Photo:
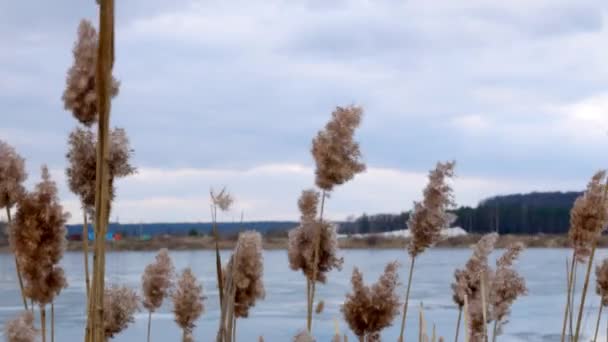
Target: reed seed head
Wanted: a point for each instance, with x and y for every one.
(21, 328)
(119, 306)
(157, 280)
(601, 287)
(247, 268)
(588, 216)
(38, 239)
(187, 300)
(430, 216)
(222, 199)
(82, 159)
(308, 203)
(368, 310)
(80, 96)
(506, 285)
(12, 175)
(303, 336)
(335, 151)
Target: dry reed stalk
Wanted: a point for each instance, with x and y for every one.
(316, 247)
(157, 281)
(458, 324)
(597, 323)
(588, 220)
(427, 220)
(21, 328)
(104, 82)
(569, 280)
(224, 201)
(12, 176)
(466, 318)
(187, 302)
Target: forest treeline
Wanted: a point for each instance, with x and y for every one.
(532, 213)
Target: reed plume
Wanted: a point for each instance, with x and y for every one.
(369, 309)
(505, 287)
(467, 281)
(12, 176)
(303, 336)
(38, 237)
(427, 220)
(80, 95)
(21, 328)
(588, 218)
(120, 304)
(82, 159)
(247, 268)
(157, 281)
(187, 302)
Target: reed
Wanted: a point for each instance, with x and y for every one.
(157, 281)
(222, 200)
(120, 304)
(601, 288)
(21, 328)
(188, 303)
(37, 236)
(370, 309)
(587, 220)
(427, 220)
(12, 176)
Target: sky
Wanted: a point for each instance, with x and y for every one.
(230, 93)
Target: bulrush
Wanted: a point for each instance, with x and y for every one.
(21, 328)
(120, 304)
(156, 283)
(505, 287)
(80, 95)
(588, 218)
(187, 303)
(427, 220)
(12, 176)
(38, 238)
(82, 154)
(368, 310)
(467, 282)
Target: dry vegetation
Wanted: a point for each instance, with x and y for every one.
(483, 293)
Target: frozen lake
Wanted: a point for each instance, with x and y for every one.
(537, 317)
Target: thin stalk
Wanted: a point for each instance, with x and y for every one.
(52, 321)
(43, 322)
(466, 318)
(458, 323)
(483, 307)
(597, 324)
(584, 294)
(572, 293)
(569, 277)
(317, 242)
(85, 250)
(407, 297)
(149, 323)
(17, 268)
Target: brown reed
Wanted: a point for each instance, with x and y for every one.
(467, 285)
(427, 219)
(369, 309)
(120, 304)
(80, 95)
(21, 328)
(222, 200)
(187, 302)
(588, 218)
(38, 237)
(157, 281)
(506, 286)
(12, 176)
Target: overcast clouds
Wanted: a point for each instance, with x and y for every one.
(231, 92)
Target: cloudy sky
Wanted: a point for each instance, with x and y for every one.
(231, 92)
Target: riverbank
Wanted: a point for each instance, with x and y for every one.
(369, 242)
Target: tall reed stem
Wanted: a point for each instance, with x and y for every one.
(569, 277)
(43, 323)
(17, 268)
(407, 298)
(85, 250)
(458, 323)
(52, 321)
(584, 294)
(466, 318)
(572, 293)
(149, 323)
(317, 242)
(597, 324)
(218, 258)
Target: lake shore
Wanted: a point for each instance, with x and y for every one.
(369, 242)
